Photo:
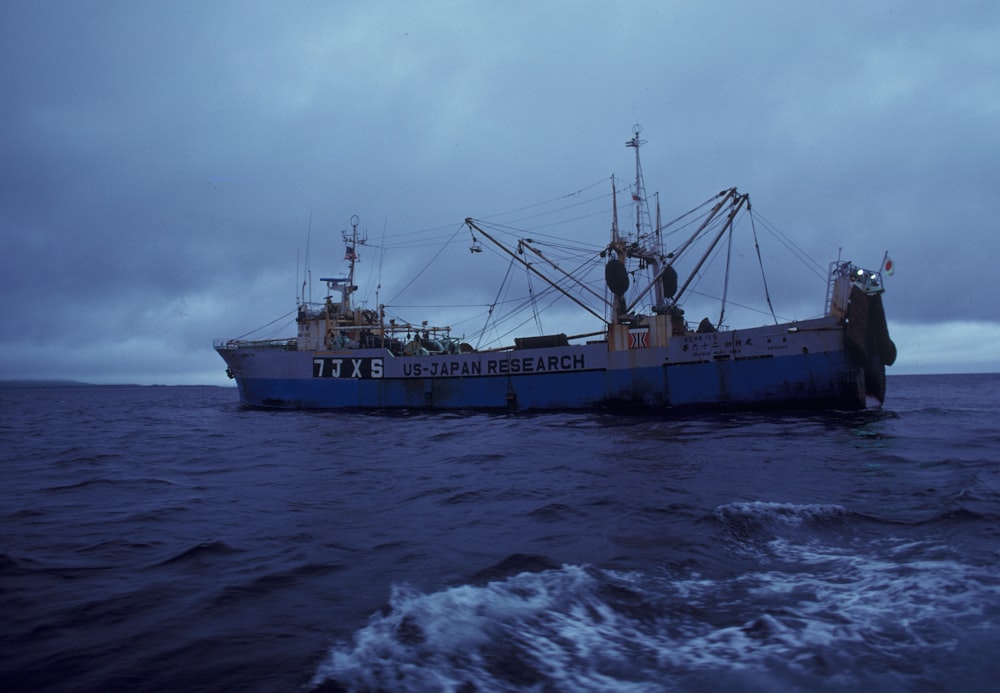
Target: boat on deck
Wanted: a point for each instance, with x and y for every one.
(645, 356)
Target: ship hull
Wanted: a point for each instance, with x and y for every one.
(795, 365)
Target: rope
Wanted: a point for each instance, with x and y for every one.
(803, 256)
(531, 298)
(725, 283)
(546, 202)
(258, 329)
(760, 261)
(427, 266)
(489, 313)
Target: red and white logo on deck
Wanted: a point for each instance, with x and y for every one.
(639, 338)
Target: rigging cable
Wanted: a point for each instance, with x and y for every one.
(760, 261)
(725, 283)
(489, 313)
(802, 255)
(258, 329)
(381, 259)
(531, 298)
(545, 202)
(429, 263)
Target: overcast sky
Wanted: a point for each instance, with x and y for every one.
(163, 165)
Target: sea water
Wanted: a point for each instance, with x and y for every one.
(169, 539)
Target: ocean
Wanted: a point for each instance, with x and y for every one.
(168, 539)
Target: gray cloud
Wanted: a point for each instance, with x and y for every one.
(160, 163)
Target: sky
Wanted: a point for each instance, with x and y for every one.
(167, 168)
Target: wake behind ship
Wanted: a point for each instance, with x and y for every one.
(645, 356)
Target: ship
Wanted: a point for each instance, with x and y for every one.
(644, 355)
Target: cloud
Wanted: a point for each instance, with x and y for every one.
(156, 156)
(946, 347)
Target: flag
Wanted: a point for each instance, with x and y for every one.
(888, 265)
(635, 197)
(349, 254)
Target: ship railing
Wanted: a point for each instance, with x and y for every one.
(390, 329)
(401, 339)
(867, 280)
(289, 343)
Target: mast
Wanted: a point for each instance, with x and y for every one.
(724, 196)
(614, 213)
(350, 254)
(649, 255)
(643, 224)
(659, 226)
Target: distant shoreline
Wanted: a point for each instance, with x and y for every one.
(42, 383)
(54, 384)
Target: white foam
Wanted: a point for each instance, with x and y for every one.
(788, 513)
(583, 629)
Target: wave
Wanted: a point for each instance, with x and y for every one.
(752, 522)
(781, 513)
(199, 552)
(829, 613)
(107, 481)
(270, 584)
(8, 564)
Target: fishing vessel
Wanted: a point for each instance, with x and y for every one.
(644, 355)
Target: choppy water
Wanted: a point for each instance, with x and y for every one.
(166, 539)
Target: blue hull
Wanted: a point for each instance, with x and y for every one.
(829, 362)
(806, 380)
